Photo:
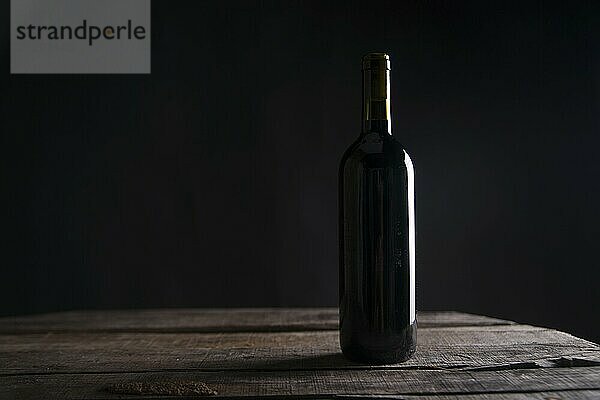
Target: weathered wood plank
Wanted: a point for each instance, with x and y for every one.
(310, 383)
(556, 395)
(492, 347)
(212, 320)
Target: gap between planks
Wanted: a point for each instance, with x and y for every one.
(213, 321)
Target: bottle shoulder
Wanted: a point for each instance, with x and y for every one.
(373, 146)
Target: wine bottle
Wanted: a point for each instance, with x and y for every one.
(377, 232)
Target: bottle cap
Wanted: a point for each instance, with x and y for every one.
(376, 61)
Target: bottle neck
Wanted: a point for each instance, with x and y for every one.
(376, 96)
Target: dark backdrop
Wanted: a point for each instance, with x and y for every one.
(212, 181)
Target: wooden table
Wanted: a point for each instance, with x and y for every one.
(282, 353)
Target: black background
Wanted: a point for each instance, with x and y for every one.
(213, 181)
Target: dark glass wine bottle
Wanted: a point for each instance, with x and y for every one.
(377, 232)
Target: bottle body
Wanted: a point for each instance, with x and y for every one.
(377, 249)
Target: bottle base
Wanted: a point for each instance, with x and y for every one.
(380, 350)
(364, 356)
